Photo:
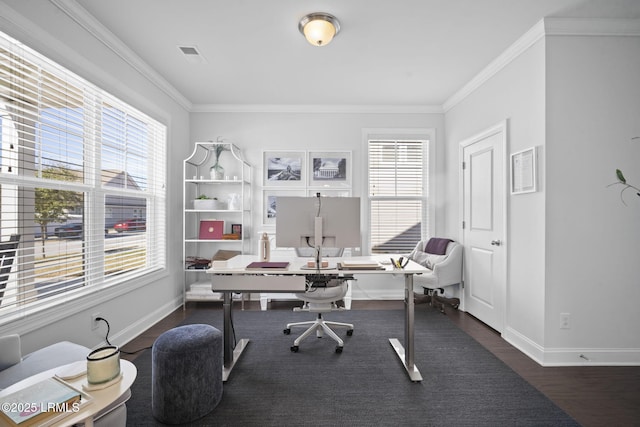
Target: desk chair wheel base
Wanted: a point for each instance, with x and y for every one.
(438, 301)
(320, 327)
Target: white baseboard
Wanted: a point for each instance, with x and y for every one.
(524, 344)
(377, 294)
(135, 329)
(548, 357)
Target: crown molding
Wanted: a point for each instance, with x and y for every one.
(83, 18)
(521, 45)
(317, 109)
(546, 27)
(592, 27)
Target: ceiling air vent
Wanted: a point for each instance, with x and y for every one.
(192, 54)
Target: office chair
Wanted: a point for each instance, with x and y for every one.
(444, 258)
(323, 292)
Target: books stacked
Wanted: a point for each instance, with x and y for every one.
(359, 265)
(39, 403)
(201, 291)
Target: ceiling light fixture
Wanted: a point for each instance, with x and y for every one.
(319, 28)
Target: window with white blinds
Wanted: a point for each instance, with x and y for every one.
(398, 183)
(82, 186)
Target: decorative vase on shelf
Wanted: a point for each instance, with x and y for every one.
(217, 171)
(234, 202)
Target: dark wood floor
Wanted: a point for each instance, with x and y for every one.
(594, 396)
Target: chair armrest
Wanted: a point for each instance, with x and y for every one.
(449, 271)
(10, 352)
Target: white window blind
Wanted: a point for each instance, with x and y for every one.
(397, 182)
(81, 186)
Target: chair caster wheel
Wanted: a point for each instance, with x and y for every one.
(350, 332)
(294, 348)
(338, 349)
(286, 331)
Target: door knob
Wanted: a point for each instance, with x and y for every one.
(496, 242)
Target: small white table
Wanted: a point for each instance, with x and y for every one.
(100, 399)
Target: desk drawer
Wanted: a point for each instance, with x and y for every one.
(256, 283)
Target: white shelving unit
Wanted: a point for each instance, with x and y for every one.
(199, 247)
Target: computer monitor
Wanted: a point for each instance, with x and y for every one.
(331, 222)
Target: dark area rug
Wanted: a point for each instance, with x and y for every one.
(366, 385)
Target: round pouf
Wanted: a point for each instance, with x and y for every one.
(186, 373)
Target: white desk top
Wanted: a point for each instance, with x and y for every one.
(238, 264)
(100, 399)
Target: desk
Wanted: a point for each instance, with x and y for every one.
(234, 277)
(100, 399)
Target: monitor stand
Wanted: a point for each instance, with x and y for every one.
(318, 261)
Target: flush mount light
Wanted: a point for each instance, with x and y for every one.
(319, 28)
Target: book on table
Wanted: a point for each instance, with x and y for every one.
(39, 403)
(268, 265)
(352, 264)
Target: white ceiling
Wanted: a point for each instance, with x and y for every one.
(402, 52)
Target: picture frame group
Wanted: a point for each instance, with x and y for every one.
(323, 169)
(303, 173)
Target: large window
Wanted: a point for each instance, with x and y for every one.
(398, 190)
(81, 186)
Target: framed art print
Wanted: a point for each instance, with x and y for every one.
(269, 205)
(329, 192)
(523, 171)
(284, 168)
(330, 169)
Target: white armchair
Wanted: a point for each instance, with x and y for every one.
(444, 258)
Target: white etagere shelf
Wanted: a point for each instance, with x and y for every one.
(232, 194)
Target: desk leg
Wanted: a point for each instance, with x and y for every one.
(406, 354)
(231, 355)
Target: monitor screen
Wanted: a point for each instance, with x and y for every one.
(296, 221)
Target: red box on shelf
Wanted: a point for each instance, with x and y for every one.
(211, 229)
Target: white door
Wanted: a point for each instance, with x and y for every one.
(484, 232)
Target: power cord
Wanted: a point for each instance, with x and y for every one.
(106, 337)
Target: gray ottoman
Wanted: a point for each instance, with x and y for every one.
(186, 373)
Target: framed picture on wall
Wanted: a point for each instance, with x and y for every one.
(330, 169)
(523, 171)
(284, 168)
(269, 205)
(329, 192)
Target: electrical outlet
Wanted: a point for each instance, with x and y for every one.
(564, 320)
(94, 322)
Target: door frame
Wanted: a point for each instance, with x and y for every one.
(503, 127)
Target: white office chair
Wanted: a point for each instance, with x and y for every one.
(444, 258)
(321, 296)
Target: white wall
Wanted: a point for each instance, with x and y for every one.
(516, 93)
(572, 246)
(49, 31)
(593, 240)
(255, 132)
